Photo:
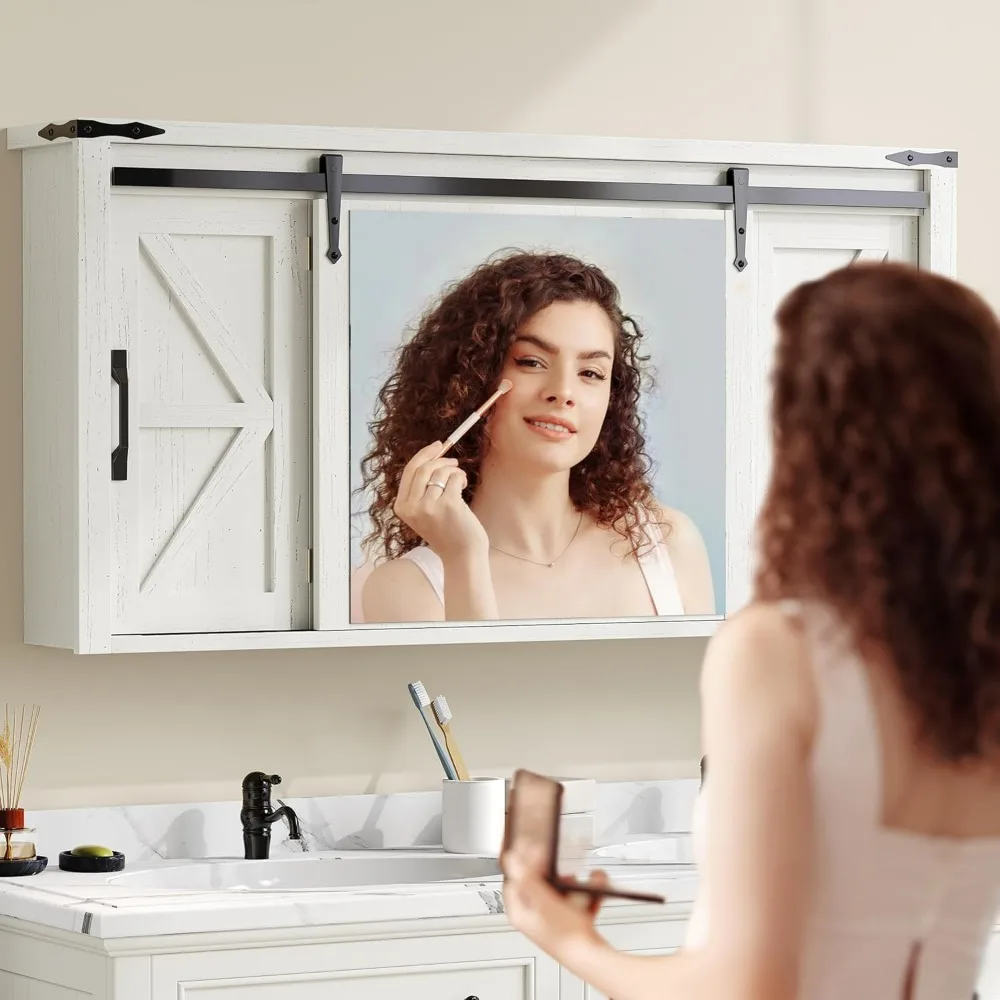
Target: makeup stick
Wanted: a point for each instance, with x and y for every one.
(455, 436)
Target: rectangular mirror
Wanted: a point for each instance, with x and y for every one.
(559, 453)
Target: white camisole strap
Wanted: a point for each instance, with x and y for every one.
(658, 572)
(429, 563)
(654, 562)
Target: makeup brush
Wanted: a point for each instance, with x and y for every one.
(443, 715)
(453, 438)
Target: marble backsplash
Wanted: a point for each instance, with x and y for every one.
(346, 822)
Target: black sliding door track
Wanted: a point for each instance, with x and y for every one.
(330, 180)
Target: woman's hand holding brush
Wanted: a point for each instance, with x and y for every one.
(430, 501)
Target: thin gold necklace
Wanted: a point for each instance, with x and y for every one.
(535, 562)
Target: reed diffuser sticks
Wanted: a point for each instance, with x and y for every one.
(16, 742)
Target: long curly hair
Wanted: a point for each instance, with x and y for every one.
(884, 496)
(453, 361)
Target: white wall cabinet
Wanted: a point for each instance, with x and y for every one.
(203, 325)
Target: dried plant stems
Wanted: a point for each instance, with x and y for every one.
(16, 743)
(29, 744)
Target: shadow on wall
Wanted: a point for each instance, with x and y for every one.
(438, 64)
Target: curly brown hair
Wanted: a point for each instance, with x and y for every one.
(884, 497)
(453, 361)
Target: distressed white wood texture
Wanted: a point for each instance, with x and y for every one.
(187, 584)
(938, 224)
(66, 391)
(423, 635)
(573, 147)
(744, 403)
(332, 424)
(211, 529)
(784, 249)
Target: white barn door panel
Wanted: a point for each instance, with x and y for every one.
(786, 248)
(211, 527)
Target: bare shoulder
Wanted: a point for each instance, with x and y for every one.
(680, 534)
(760, 656)
(689, 558)
(398, 591)
(676, 524)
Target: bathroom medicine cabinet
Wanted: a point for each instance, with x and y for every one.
(187, 333)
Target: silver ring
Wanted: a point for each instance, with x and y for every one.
(434, 482)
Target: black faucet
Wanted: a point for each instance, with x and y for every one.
(257, 815)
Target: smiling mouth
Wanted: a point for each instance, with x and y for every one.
(551, 427)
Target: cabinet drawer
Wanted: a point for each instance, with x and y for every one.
(489, 966)
(513, 980)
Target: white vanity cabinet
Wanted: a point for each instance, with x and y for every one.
(189, 295)
(490, 966)
(472, 959)
(449, 960)
(988, 987)
(655, 937)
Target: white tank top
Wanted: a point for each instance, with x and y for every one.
(889, 907)
(657, 571)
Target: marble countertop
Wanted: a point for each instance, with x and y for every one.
(95, 905)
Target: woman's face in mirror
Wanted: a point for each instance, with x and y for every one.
(560, 367)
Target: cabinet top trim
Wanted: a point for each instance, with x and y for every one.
(573, 147)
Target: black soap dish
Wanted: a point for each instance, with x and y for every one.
(17, 867)
(70, 862)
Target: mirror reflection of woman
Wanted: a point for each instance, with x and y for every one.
(544, 509)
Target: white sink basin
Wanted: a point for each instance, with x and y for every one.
(290, 874)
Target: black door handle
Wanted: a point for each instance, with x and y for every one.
(119, 457)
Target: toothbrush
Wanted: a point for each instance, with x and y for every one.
(422, 700)
(443, 715)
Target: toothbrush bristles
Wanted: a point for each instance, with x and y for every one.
(421, 692)
(441, 709)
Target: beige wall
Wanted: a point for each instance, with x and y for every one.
(173, 727)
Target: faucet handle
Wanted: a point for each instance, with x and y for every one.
(257, 787)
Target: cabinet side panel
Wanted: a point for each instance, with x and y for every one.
(51, 395)
(99, 320)
(938, 225)
(14, 987)
(35, 968)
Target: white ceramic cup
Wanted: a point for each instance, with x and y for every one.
(472, 816)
